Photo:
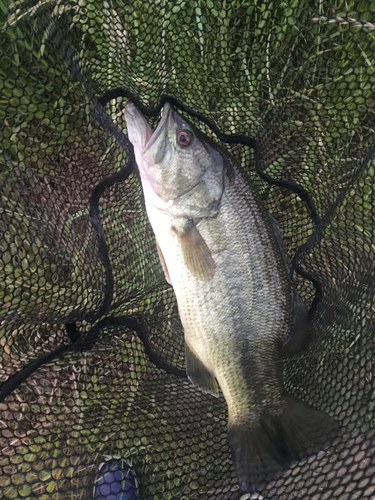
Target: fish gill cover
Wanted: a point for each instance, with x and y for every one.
(92, 348)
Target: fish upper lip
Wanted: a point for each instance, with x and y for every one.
(167, 109)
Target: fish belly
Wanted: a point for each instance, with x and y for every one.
(235, 319)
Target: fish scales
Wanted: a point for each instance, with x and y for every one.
(221, 253)
(224, 317)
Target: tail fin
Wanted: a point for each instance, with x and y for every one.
(262, 451)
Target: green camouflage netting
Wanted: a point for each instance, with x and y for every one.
(91, 345)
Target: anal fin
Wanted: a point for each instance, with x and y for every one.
(198, 373)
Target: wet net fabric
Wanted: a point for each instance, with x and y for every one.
(91, 345)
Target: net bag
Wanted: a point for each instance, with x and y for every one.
(92, 354)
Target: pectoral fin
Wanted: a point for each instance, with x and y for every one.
(163, 263)
(197, 255)
(198, 373)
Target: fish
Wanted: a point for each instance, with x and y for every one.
(223, 255)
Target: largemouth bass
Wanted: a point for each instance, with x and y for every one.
(220, 251)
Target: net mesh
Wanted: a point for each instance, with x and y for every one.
(91, 345)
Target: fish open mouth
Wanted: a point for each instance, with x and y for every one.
(167, 109)
(142, 132)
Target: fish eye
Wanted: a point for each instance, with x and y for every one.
(184, 138)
